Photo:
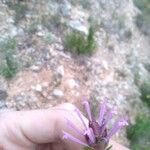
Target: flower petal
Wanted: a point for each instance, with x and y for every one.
(106, 121)
(72, 138)
(87, 107)
(90, 134)
(77, 130)
(81, 117)
(118, 125)
(102, 112)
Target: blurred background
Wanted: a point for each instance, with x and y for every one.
(56, 51)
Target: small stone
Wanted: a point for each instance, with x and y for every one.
(65, 9)
(53, 52)
(13, 32)
(30, 50)
(47, 57)
(72, 83)
(2, 105)
(3, 94)
(38, 88)
(59, 47)
(45, 84)
(105, 64)
(53, 7)
(111, 47)
(18, 98)
(60, 70)
(10, 20)
(20, 31)
(57, 93)
(45, 94)
(77, 25)
(39, 27)
(35, 68)
(40, 34)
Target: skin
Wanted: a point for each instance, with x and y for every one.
(41, 129)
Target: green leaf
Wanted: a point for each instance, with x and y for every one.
(88, 148)
(109, 148)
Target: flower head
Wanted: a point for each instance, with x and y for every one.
(96, 132)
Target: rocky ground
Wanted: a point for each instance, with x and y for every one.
(49, 74)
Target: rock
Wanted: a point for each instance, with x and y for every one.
(20, 31)
(111, 47)
(18, 98)
(10, 20)
(13, 31)
(72, 83)
(53, 6)
(47, 56)
(60, 70)
(39, 27)
(3, 94)
(30, 50)
(103, 2)
(105, 64)
(45, 84)
(53, 52)
(40, 34)
(3, 84)
(38, 88)
(77, 25)
(2, 104)
(59, 46)
(35, 68)
(65, 8)
(58, 93)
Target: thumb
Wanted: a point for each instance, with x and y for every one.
(40, 126)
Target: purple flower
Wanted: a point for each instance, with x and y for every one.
(96, 133)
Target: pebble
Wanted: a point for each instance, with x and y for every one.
(65, 9)
(2, 104)
(59, 47)
(60, 70)
(10, 20)
(35, 68)
(72, 83)
(3, 94)
(77, 25)
(40, 34)
(58, 93)
(38, 88)
(30, 50)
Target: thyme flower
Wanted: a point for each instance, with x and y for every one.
(96, 132)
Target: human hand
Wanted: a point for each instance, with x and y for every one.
(40, 129)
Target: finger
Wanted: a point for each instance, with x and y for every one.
(74, 118)
(52, 146)
(42, 126)
(49, 123)
(27, 128)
